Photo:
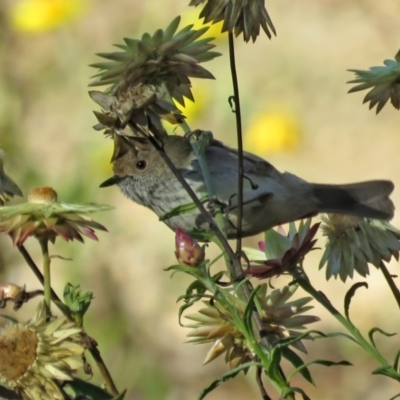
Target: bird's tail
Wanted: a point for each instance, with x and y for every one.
(365, 199)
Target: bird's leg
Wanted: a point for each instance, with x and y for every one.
(214, 204)
(254, 186)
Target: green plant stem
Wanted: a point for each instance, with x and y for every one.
(93, 349)
(390, 282)
(44, 245)
(28, 259)
(232, 260)
(279, 380)
(301, 278)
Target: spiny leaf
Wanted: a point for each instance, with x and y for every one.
(349, 295)
(376, 329)
(228, 375)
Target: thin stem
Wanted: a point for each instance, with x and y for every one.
(389, 280)
(301, 278)
(92, 347)
(238, 115)
(44, 245)
(40, 277)
(105, 373)
(260, 384)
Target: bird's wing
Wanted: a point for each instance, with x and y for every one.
(260, 177)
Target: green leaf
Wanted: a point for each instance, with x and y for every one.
(349, 295)
(379, 330)
(121, 396)
(171, 28)
(87, 389)
(250, 307)
(292, 390)
(326, 363)
(76, 302)
(336, 334)
(386, 370)
(181, 209)
(228, 375)
(298, 363)
(276, 244)
(196, 272)
(194, 293)
(273, 370)
(395, 397)
(396, 361)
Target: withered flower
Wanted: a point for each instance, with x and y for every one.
(280, 318)
(44, 216)
(280, 251)
(8, 188)
(16, 294)
(135, 110)
(164, 58)
(353, 243)
(384, 83)
(238, 16)
(37, 354)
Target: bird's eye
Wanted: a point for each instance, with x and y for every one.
(141, 165)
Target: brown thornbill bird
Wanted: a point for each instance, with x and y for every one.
(270, 197)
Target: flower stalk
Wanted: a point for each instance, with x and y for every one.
(44, 245)
(302, 280)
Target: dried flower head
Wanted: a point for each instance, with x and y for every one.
(164, 58)
(7, 186)
(135, 110)
(353, 243)
(44, 216)
(384, 83)
(35, 355)
(281, 319)
(238, 16)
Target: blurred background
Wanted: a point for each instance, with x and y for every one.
(296, 113)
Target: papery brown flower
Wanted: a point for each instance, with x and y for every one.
(35, 356)
(353, 243)
(280, 319)
(43, 216)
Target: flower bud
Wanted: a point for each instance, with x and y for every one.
(187, 250)
(43, 195)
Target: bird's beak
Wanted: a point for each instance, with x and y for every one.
(112, 181)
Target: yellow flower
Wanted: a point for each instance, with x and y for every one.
(275, 131)
(43, 15)
(35, 355)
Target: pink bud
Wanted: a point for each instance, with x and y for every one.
(187, 250)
